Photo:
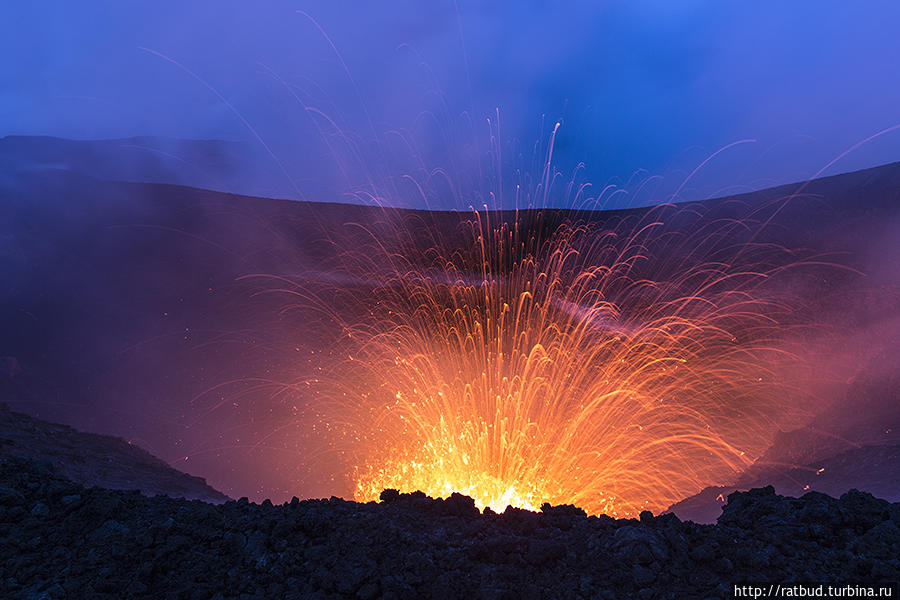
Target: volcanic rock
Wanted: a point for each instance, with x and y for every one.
(59, 539)
(92, 459)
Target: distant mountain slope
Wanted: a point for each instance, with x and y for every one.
(97, 460)
(226, 166)
(853, 444)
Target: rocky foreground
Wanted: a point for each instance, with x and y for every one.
(59, 540)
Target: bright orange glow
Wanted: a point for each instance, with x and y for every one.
(615, 366)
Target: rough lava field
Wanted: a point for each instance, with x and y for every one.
(60, 539)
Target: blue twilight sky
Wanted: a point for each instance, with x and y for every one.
(647, 86)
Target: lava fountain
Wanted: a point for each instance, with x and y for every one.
(616, 364)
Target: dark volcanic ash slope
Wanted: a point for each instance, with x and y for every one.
(853, 444)
(60, 540)
(101, 460)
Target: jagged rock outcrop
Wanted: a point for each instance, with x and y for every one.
(60, 540)
(93, 459)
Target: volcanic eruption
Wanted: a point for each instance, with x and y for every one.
(618, 363)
